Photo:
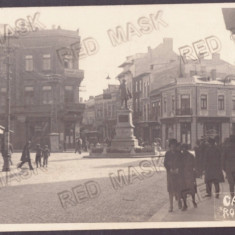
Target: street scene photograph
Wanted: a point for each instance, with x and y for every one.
(117, 116)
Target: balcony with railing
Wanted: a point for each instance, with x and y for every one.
(184, 112)
(74, 73)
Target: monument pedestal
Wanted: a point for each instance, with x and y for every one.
(124, 138)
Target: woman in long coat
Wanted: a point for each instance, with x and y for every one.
(172, 164)
(188, 176)
(213, 168)
(229, 163)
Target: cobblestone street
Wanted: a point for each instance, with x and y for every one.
(34, 199)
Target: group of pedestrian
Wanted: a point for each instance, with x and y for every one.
(211, 159)
(181, 181)
(40, 153)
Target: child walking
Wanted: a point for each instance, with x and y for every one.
(46, 154)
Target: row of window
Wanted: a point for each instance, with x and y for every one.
(106, 111)
(46, 62)
(143, 87)
(185, 103)
(47, 95)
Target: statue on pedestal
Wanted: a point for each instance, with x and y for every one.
(125, 93)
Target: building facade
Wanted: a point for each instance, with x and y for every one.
(106, 106)
(190, 109)
(44, 89)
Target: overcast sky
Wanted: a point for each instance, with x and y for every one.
(187, 23)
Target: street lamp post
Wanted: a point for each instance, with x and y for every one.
(6, 146)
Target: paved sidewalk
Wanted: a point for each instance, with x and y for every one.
(34, 198)
(204, 211)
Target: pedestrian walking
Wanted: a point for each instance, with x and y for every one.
(46, 154)
(78, 145)
(172, 165)
(213, 168)
(187, 174)
(229, 163)
(25, 157)
(38, 157)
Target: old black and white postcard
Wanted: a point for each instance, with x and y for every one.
(117, 117)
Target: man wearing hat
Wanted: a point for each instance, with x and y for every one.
(46, 154)
(213, 168)
(26, 156)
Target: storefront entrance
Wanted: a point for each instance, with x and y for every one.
(69, 134)
(212, 129)
(185, 133)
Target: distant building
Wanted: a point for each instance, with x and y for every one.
(44, 89)
(142, 72)
(105, 108)
(89, 116)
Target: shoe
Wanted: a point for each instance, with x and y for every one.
(194, 204)
(208, 195)
(184, 208)
(171, 209)
(217, 196)
(31, 169)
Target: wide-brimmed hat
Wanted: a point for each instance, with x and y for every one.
(172, 142)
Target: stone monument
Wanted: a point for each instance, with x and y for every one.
(124, 138)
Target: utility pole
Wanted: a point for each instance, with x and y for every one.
(6, 147)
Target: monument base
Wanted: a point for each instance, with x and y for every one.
(124, 138)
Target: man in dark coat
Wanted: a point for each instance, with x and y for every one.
(187, 173)
(26, 156)
(125, 93)
(46, 154)
(229, 163)
(213, 168)
(172, 165)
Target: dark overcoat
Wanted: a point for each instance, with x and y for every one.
(213, 164)
(25, 154)
(229, 163)
(172, 162)
(187, 172)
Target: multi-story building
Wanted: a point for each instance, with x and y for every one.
(44, 89)
(191, 108)
(175, 99)
(141, 71)
(88, 121)
(106, 106)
